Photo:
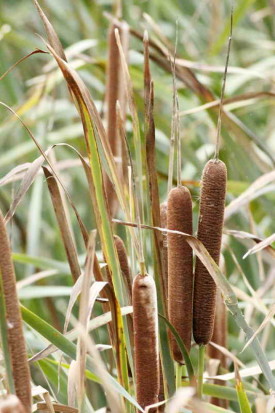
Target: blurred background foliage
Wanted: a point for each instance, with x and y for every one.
(82, 26)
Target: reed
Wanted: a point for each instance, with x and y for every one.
(210, 227)
(146, 354)
(180, 268)
(115, 91)
(16, 342)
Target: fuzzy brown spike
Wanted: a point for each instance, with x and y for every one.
(180, 268)
(123, 260)
(16, 342)
(210, 227)
(163, 222)
(146, 354)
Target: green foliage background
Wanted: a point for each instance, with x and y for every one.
(202, 38)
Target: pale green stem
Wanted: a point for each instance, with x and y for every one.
(178, 375)
(200, 371)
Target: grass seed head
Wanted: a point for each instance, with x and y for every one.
(123, 260)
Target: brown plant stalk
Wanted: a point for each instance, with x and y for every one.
(16, 341)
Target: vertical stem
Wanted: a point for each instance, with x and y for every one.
(178, 375)
(200, 370)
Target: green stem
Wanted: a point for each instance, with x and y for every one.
(200, 371)
(178, 375)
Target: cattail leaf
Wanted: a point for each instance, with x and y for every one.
(223, 392)
(242, 396)
(182, 347)
(87, 300)
(266, 320)
(262, 245)
(257, 188)
(72, 335)
(91, 122)
(41, 262)
(246, 372)
(67, 347)
(51, 34)
(26, 183)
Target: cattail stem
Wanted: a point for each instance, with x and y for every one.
(200, 371)
(146, 352)
(178, 375)
(16, 342)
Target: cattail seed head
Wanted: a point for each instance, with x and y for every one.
(210, 227)
(146, 354)
(123, 261)
(180, 268)
(163, 223)
(16, 342)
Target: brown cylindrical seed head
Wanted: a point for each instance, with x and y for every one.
(16, 342)
(146, 354)
(180, 268)
(163, 223)
(210, 227)
(123, 261)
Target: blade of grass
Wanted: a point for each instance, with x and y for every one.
(66, 346)
(242, 396)
(182, 347)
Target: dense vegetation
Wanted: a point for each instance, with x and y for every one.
(77, 169)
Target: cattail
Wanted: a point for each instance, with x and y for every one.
(124, 266)
(16, 342)
(163, 223)
(115, 91)
(146, 354)
(210, 234)
(180, 268)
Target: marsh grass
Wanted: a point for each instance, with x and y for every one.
(106, 360)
